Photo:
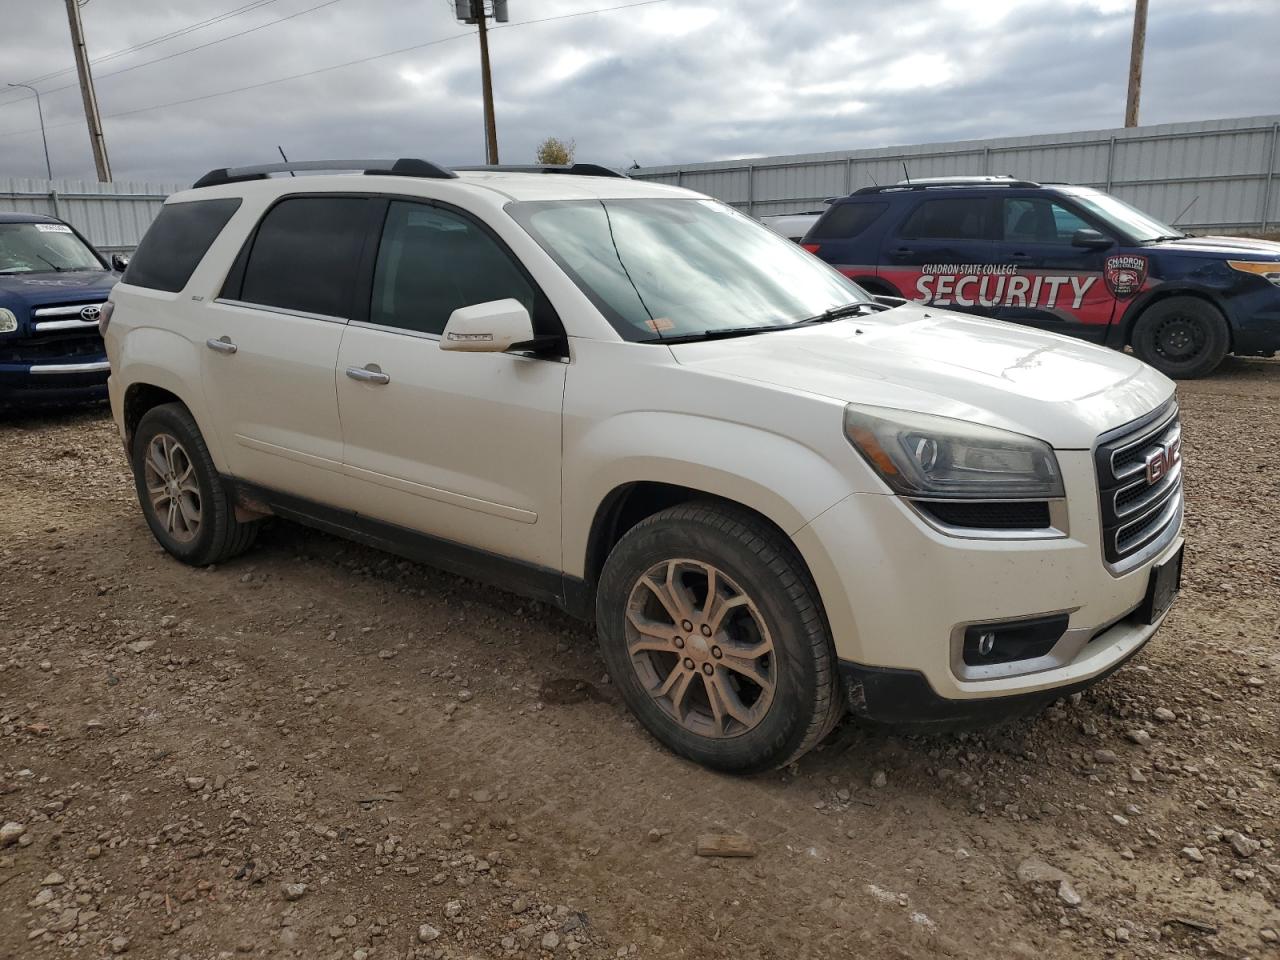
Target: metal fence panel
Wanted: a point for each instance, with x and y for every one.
(1225, 174)
(113, 216)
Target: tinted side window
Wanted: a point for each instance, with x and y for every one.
(306, 255)
(846, 220)
(1036, 220)
(955, 218)
(432, 261)
(177, 241)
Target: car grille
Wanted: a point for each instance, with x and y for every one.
(53, 347)
(1141, 509)
(66, 317)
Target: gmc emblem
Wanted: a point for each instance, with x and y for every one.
(1163, 460)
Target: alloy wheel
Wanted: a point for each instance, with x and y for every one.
(700, 648)
(173, 488)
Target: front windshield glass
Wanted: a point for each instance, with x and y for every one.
(1124, 218)
(43, 248)
(660, 268)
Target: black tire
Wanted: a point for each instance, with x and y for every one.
(760, 561)
(218, 536)
(1182, 337)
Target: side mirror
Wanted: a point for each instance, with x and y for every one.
(1090, 240)
(493, 327)
(118, 262)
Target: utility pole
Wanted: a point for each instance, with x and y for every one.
(473, 11)
(96, 139)
(1135, 63)
(39, 112)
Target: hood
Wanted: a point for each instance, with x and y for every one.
(1061, 390)
(24, 292)
(1235, 248)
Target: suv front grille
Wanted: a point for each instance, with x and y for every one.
(1141, 505)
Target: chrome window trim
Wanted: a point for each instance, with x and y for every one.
(264, 308)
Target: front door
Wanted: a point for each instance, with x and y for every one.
(460, 446)
(1051, 284)
(269, 346)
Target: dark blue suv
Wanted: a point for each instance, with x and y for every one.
(1069, 259)
(52, 288)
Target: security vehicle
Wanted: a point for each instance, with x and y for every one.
(1069, 259)
(53, 284)
(776, 497)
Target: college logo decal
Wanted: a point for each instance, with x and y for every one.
(1125, 274)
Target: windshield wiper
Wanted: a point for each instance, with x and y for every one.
(725, 333)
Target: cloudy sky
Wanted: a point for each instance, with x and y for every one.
(660, 82)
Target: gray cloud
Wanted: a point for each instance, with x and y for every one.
(676, 81)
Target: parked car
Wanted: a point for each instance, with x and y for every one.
(1069, 259)
(53, 284)
(776, 497)
(793, 226)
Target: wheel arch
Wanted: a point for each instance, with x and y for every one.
(1122, 334)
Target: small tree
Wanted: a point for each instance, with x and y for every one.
(553, 150)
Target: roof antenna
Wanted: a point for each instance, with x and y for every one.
(1185, 210)
(905, 174)
(874, 180)
(284, 158)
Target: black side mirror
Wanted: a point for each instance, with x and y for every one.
(118, 262)
(1090, 240)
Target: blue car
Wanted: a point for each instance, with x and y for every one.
(53, 284)
(1070, 259)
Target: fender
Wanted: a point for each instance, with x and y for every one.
(779, 478)
(172, 363)
(1118, 333)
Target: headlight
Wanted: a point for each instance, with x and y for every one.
(1263, 269)
(919, 455)
(8, 321)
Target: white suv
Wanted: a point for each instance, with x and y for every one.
(777, 497)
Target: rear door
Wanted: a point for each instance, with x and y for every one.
(1051, 283)
(941, 251)
(460, 446)
(271, 345)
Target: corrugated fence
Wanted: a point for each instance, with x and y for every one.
(113, 216)
(1222, 173)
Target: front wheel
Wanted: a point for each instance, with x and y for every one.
(713, 630)
(1182, 337)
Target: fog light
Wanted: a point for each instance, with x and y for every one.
(990, 643)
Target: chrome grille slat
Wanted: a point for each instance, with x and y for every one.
(1138, 517)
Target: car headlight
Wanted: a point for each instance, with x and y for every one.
(1264, 269)
(8, 321)
(924, 456)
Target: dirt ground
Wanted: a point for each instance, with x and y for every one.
(321, 751)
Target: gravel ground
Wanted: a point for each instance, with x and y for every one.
(321, 751)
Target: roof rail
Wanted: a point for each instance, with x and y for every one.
(933, 183)
(404, 167)
(575, 169)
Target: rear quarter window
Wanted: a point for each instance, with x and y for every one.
(177, 241)
(846, 220)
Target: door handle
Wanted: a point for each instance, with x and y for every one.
(222, 345)
(369, 373)
(902, 253)
(1020, 257)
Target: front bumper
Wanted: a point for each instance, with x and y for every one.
(898, 595)
(55, 381)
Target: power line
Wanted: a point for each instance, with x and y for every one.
(340, 66)
(182, 31)
(179, 53)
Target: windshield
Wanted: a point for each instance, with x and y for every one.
(659, 268)
(1124, 218)
(43, 248)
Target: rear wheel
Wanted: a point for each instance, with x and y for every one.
(712, 628)
(1182, 337)
(186, 505)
